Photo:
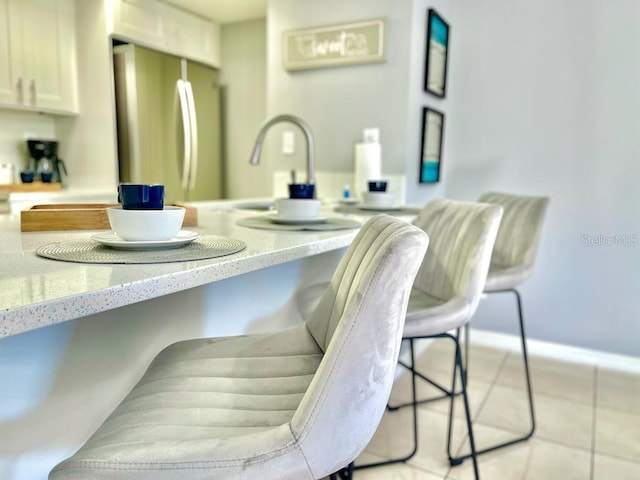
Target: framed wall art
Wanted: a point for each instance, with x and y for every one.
(334, 45)
(431, 150)
(435, 71)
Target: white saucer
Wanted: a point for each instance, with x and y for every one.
(112, 240)
(296, 221)
(379, 209)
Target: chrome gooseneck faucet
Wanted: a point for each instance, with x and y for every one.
(311, 160)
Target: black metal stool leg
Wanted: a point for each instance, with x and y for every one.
(446, 393)
(459, 367)
(452, 405)
(467, 411)
(345, 473)
(466, 347)
(525, 359)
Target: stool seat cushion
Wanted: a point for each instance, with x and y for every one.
(207, 404)
(505, 278)
(427, 315)
(517, 241)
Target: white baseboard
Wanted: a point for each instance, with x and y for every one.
(557, 351)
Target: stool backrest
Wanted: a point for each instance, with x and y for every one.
(461, 238)
(520, 229)
(358, 324)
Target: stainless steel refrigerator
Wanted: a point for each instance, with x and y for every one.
(168, 123)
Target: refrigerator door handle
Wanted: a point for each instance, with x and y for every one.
(194, 135)
(186, 128)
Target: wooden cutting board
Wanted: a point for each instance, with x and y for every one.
(32, 187)
(80, 216)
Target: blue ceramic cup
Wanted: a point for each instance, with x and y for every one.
(302, 190)
(46, 177)
(377, 186)
(27, 176)
(141, 196)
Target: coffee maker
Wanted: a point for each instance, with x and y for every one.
(44, 161)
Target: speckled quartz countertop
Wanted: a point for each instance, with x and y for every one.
(36, 292)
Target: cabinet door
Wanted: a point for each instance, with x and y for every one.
(139, 20)
(193, 37)
(9, 76)
(47, 37)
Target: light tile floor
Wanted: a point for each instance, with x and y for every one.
(588, 421)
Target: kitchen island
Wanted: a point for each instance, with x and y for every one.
(38, 292)
(76, 337)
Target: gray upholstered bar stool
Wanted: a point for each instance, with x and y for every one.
(448, 287)
(294, 404)
(512, 262)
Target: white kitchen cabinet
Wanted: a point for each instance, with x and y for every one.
(163, 27)
(37, 54)
(140, 21)
(193, 37)
(8, 76)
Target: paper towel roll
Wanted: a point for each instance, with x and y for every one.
(367, 165)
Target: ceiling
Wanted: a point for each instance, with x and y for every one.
(225, 11)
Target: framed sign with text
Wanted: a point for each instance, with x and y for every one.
(334, 45)
(435, 72)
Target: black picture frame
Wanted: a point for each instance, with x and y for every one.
(431, 147)
(437, 52)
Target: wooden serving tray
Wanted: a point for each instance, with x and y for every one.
(32, 187)
(80, 216)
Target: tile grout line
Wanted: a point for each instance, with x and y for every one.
(493, 383)
(590, 448)
(593, 423)
(544, 439)
(528, 463)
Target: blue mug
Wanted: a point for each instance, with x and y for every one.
(377, 186)
(141, 196)
(27, 176)
(302, 190)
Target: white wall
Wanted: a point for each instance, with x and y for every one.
(15, 126)
(417, 99)
(339, 102)
(90, 138)
(542, 99)
(545, 100)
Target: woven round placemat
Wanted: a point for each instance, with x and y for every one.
(90, 251)
(387, 211)
(265, 223)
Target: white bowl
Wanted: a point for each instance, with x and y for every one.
(146, 225)
(298, 208)
(378, 199)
